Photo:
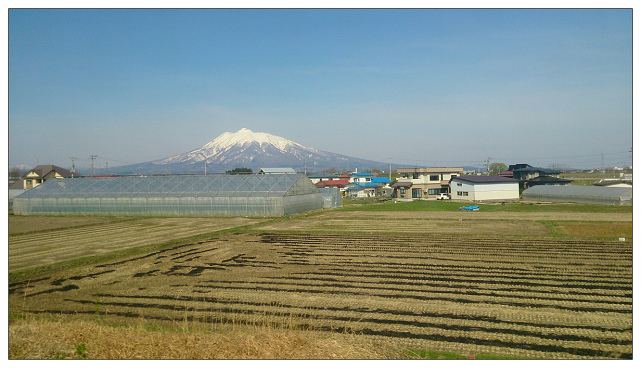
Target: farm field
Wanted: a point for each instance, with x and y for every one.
(41, 241)
(491, 283)
(450, 222)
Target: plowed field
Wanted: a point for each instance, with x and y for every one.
(39, 241)
(532, 297)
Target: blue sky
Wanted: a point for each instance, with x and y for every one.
(426, 87)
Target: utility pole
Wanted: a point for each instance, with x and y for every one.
(73, 166)
(205, 166)
(92, 157)
(106, 168)
(602, 162)
(488, 164)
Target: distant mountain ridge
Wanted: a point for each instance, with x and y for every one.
(253, 150)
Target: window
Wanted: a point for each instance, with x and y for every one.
(464, 194)
(434, 178)
(434, 191)
(459, 184)
(402, 190)
(415, 176)
(416, 193)
(461, 194)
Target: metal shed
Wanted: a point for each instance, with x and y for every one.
(174, 195)
(579, 194)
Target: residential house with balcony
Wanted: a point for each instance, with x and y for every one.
(424, 183)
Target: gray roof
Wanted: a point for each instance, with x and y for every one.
(277, 170)
(483, 179)
(43, 170)
(538, 169)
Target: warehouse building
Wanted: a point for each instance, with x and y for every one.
(579, 194)
(173, 195)
(484, 188)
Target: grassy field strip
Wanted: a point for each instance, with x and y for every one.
(53, 235)
(117, 226)
(516, 224)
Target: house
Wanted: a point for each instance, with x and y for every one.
(360, 190)
(39, 175)
(484, 188)
(365, 185)
(529, 176)
(424, 183)
(318, 178)
(360, 177)
(332, 183)
(383, 181)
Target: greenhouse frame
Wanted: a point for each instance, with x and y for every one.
(579, 194)
(332, 197)
(271, 195)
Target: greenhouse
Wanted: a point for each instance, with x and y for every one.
(173, 195)
(579, 194)
(332, 197)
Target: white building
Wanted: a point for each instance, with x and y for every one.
(484, 188)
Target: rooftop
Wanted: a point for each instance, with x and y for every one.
(480, 179)
(430, 170)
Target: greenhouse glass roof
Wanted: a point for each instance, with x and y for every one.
(213, 185)
(582, 194)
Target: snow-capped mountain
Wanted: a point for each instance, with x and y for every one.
(253, 150)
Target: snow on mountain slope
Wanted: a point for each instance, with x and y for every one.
(228, 144)
(252, 150)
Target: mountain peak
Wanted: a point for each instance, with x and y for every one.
(245, 148)
(245, 136)
(229, 141)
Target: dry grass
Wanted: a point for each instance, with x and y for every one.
(40, 339)
(597, 229)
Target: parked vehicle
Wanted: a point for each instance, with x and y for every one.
(443, 196)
